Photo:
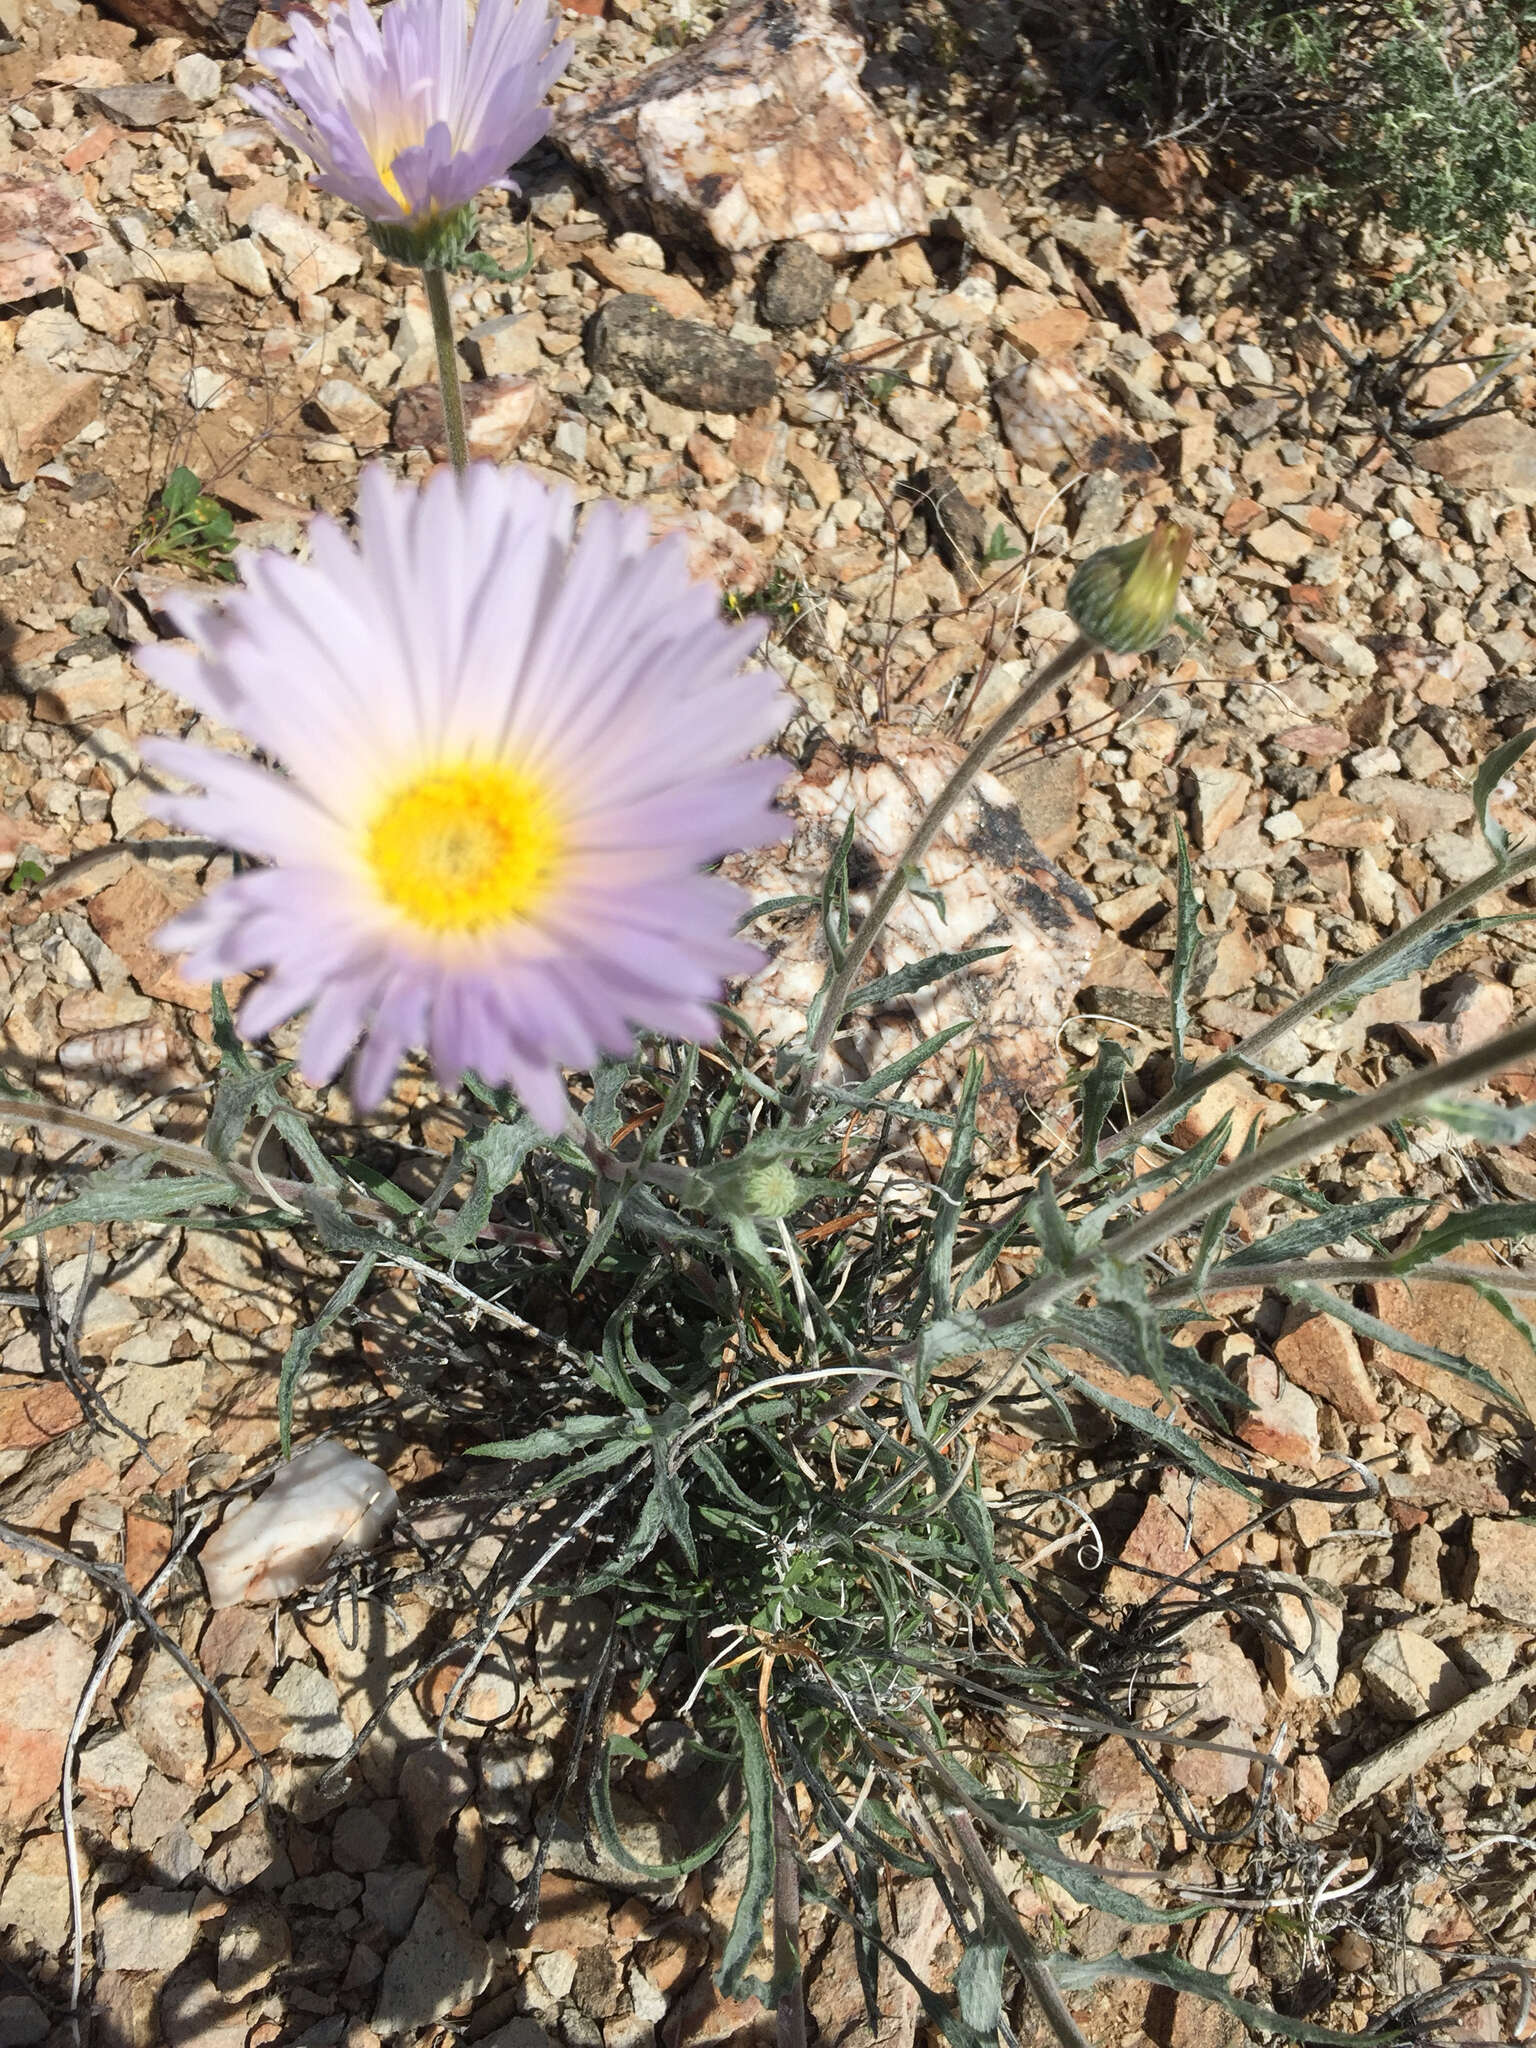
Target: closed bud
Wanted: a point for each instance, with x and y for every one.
(1124, 597)
(771, 1189)
(763, 1188)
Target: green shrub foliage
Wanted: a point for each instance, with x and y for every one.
(1418, 110)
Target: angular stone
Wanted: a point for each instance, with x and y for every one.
(1314, 1625)
(1502, 1573)
(1322, 1355)
(222, 25)
(34, 1901)
(143, 106)
(114, 313)
(1052, 418)
(240, 263)
(1220, 797)
(440, 1964)
(360, 1840)
(113, 1767)
(1232, 1096)
(193, 2014)
(997, 889)
(165, 1715)
(1493, 454)
(1283, 1420)
(1407, 1676)
(759, 133)
(41, 223)
(41, 1678)
(41, 411)
(254, 1944)
(128, 914)
(674, 295)
(199, 78)
(507, 346)
(307, 260)
(1210, 1774)
(435, 1786)
(1418, 1569)
(1160, 178)
(1280, 543)
(84, 691)
(359, 1656)
(1455, 1320)
(347, 409)
(499, 413)
(1056, 332)
(1418, 811)
(315, 1724)
(1335, 648)
(632, 341)
(149, 1929)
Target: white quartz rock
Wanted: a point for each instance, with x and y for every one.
(324, 1502)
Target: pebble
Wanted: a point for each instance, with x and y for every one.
(315, 1724)
(633, 342)
(197, 78)
(796, 286)
(41, 1678)
(254, 1944)
(440, 1963)
(1407, 1676)
(147, 1929)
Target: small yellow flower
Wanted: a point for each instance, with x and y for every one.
(1124, 597)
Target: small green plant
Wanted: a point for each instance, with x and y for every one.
(1419, 111)
(781, 599)
(999, 548)
(25, 875)
(186, 527)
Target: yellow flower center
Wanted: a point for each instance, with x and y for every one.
(390, 182)
(462, 849)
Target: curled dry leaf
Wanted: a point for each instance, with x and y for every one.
(996, 888)
(325, 1503)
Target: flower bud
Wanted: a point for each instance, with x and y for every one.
(1124, 597)
(771, 1189)
(766, 1188)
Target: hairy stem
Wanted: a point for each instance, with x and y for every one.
(447, 367)
(1006, 1922)
(790, 2020)
(1326, 1272)
(1301, 1139)
(841, 987)
(1333, 988)
(53, 1116)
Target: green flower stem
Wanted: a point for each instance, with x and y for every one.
(1302, 1139)
(1333, 988)
(447, 366)
(836, 999)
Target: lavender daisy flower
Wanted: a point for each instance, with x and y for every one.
(508, 752)
(408, 117)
